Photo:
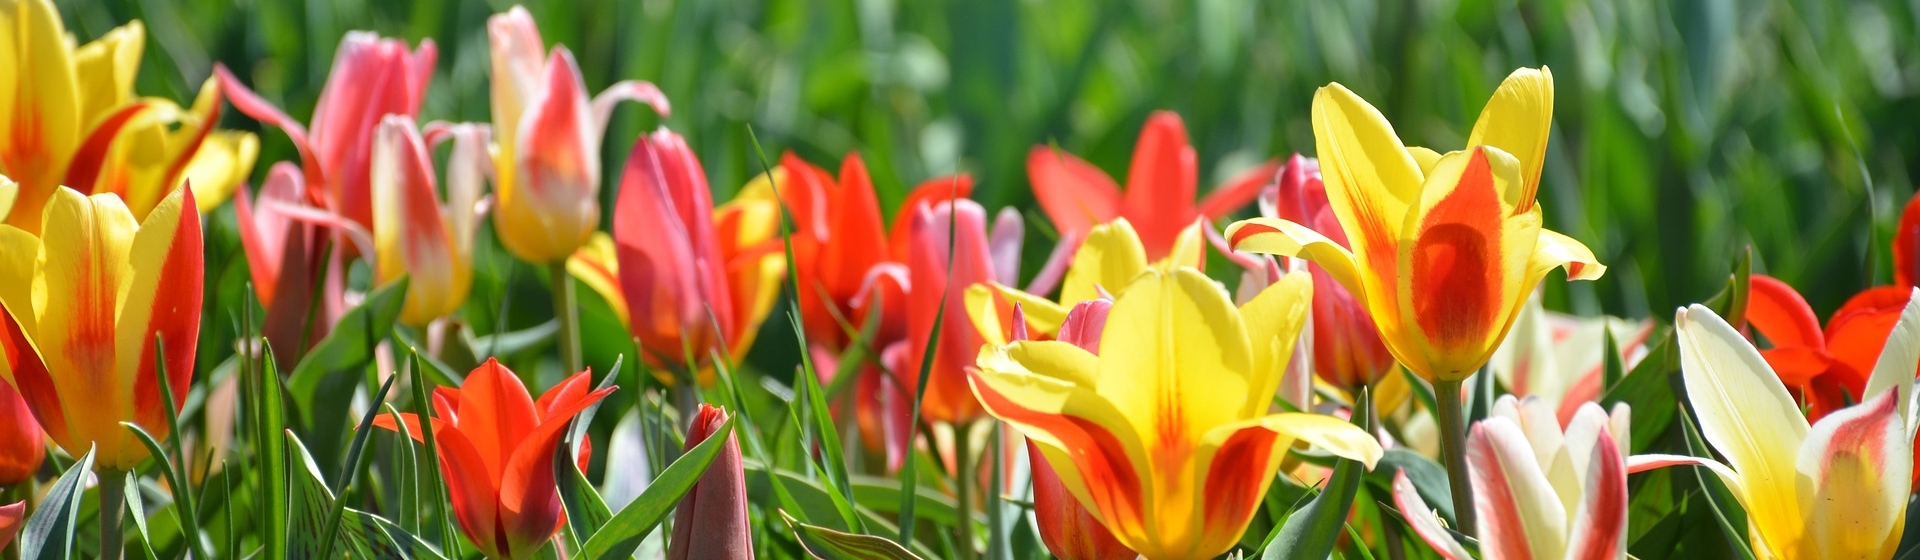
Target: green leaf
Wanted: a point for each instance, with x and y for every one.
(49, 532)
(809, 499)
(139, 511)
(1428, 477)
(622, 534)
(1612, 369)
(1312, 532)
(327, 375)
(828, 544)
(351, 469)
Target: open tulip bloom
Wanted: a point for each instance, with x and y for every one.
(1835, 489)
(1164, 435)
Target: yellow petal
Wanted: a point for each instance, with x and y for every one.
(223, 161)
(1275, 236)
(1556, 250)
(106, 68)
(86, 274)
(42, 98)
(1333, 435)
(1746, 414)
(1426, 158)
(1174, 359)
(1517, 120)
(9, 191)
(983, 309)
(1371, 178)
(1110, 258)
(1187, 249)
(1276, 316)
(595, 265)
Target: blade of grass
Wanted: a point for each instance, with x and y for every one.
(189, 511)
(355, 458)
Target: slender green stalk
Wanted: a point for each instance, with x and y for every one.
(1453, 448)
(568, 312)
(113, 500)
(963, 490)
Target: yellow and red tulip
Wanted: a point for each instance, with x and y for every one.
(1167, 428)
(1066, 527)
(1542, 492)
(72, 119)
(22, 447)
(696, 280)
(413, 234)
(1445, 248)
(1161, 184)
(1108, 258)
(84, 304)
(496, 453)
(547, 141)
(716, 508)
(371, 78)
(1835, 489)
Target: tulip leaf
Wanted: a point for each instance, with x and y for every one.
(139, 513)
(326, 377)
(586, 511)
(828, 544)
(511, 342)
(810, 500)
(622, 534)
(1311, 532)
(356, 534)
(49, 533)
(1429, 478)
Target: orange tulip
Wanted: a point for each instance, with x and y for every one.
(496, 453)
(1160, 187)
(84, 304)
(370, 79)
(716, 508)
(70, 117)
(21, 446)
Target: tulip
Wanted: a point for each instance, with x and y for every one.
(1835, 489)
(12, 517)
(1561, 358)
(716, 507)
(496, 453)
(547, 141)
(1446, 248)
(1826, 371)
(1164, 435)
(1544, 492)
(75, 121)
(696, 280)
(1109, 258)
(1347, 350)
(21, 445)
(1067, 528)
(371, 77)
(939, 267)
(412, 234)
(87, 307)
(1160, 187)
(287, 262)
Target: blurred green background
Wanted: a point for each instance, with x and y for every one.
(1683, 130)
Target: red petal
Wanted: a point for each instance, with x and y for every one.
(1075, 195)
(1906, 245)
(1161, 184)
(22, 448)
(175, 317)
(1457, 259)
(1237, 481)
(1858, 331)
(931, 192)
(31, 378)
(1779, 313)
(530, 510)
(1238, 191)
(936, 279)
(1067, 528)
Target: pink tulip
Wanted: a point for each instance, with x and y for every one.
(711, 521)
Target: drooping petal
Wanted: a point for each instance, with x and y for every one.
(1425, 523)
(1075, 195)
(1280, 237)
(1779, 313)
(12, 517)
(1745, 413)
(1238, 191)
(1516, 120)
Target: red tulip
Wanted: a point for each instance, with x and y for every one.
(287, 264)
(1827, 371)
(1161, 184)
(496, 453)
(932, 274)
(22, 447)
(1347, 350)
(716, 508)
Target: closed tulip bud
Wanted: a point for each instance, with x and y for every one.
(711, 522)
(87, 307)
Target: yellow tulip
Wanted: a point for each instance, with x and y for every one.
(1446, 248)
(1164, 434)
(1835, 489)
(80, 308)
(1109, 259)
(71, 118)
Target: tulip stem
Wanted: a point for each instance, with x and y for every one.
(113, 500)
(1453, 448)
(567, 311)
(963, 491)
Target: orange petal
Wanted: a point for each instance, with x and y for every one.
(496, 414)
(1906, 245)
(1858, 331)
(1779, 313)
(1238, 191)
(1075, 195)
(1161, 184)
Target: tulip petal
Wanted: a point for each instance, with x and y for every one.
(1425, 523)
(1556, 250)
(496, 414)
(42, 117)
(1778, 312)
(1066, 527)
(1898, 360)
(548, 207)
(1110, 258)
(1238, 191)
(409, 235)
(1906, 245)
(252, 105)
(986, 301)
(932, 192)
(627, 90)
(1516, 120)
(1161, 183)
(1860, 463)
(1744, 412)
(12, 517)
(1466, 263)
(1162, 332)
(1075, 195)
(1280, 237)
(473, 490)
(1599, 529)
(163, 300)
(529, 501)
(1372, 181)
(596, 266)
(1281, 312)
(1520, 515)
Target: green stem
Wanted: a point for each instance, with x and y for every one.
(963, 490)
(568, 312)
(113, 501)
(1453, 448)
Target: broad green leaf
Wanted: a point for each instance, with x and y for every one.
(828, 544)
(328, 374)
